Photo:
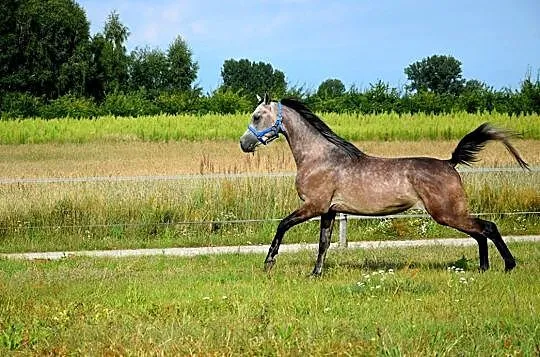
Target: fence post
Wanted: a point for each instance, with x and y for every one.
(342, 230)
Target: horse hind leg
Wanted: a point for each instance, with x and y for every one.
(490, 231)
(481, 230)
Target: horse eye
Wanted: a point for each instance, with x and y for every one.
(256, 117)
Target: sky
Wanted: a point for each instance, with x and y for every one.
(358, 42)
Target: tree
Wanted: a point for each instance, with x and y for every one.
(182, 68)
(331, 88)
(44, 47)
(250, 78)
(381, 98)
(109, 60)
(530, 94)
(158, 71)
(149, 69)
(437, 74)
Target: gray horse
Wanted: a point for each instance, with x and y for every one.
(334, 176)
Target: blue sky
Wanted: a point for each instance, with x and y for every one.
(358, 42)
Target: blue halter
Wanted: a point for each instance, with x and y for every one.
(275, 129)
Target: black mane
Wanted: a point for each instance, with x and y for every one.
(349, 149)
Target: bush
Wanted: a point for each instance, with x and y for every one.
(427, 102)
(226, 102)
(179, 102)
(19, 105)
(129, 105)
(69, 106)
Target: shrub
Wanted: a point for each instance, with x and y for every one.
(19, 105)
(133, 104)
(69, 106)
(226, 102)
(178, 102)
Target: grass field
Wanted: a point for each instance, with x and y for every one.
(381, 302)
(415, 301)
(163, 128)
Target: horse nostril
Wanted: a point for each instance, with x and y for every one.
(244, 147)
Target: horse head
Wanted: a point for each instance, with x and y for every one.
(265, 125)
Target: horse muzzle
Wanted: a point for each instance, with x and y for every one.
(248, 142)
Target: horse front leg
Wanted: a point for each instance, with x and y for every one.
(300, 215)
(327, 224)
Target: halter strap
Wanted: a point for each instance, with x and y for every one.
(275, 129)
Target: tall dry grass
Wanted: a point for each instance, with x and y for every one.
(204, 157)
(194, 213)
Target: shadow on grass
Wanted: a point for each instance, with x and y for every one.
(374, 264)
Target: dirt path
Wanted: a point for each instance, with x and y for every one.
(251, 249)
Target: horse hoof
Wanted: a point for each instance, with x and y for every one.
(268, 264)
(508, 266)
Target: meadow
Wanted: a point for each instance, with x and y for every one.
(416, 302)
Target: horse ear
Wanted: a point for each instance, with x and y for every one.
(266, 98)
(259, 99)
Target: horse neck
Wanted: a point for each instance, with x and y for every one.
(306, 143)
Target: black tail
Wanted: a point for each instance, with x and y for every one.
(472, 143)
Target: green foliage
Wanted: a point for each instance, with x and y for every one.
(108, 67)
(251, 78)
(530, 94)
(182, 68)
(69, 106)
(438, 74)
(19, 105)
(381, 98)
(475, 97)
(226, 101)
(43, 47)
(331, 88)
(179, 102)
(156, 71)
(128, 105)
(148, 70)
(50, 67)
(200, 126)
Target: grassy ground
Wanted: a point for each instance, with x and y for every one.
(381, 302)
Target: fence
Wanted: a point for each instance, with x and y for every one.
(341, 218)
(46, 180)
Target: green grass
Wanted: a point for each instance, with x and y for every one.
(380, 302)
(75, 216)
(230, 127)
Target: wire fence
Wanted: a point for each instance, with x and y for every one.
(217, 176)
(341, 218)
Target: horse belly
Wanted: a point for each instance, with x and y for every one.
(378, 199)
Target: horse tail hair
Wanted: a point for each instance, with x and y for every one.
(471, 144)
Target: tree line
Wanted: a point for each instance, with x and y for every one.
(50, 66)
